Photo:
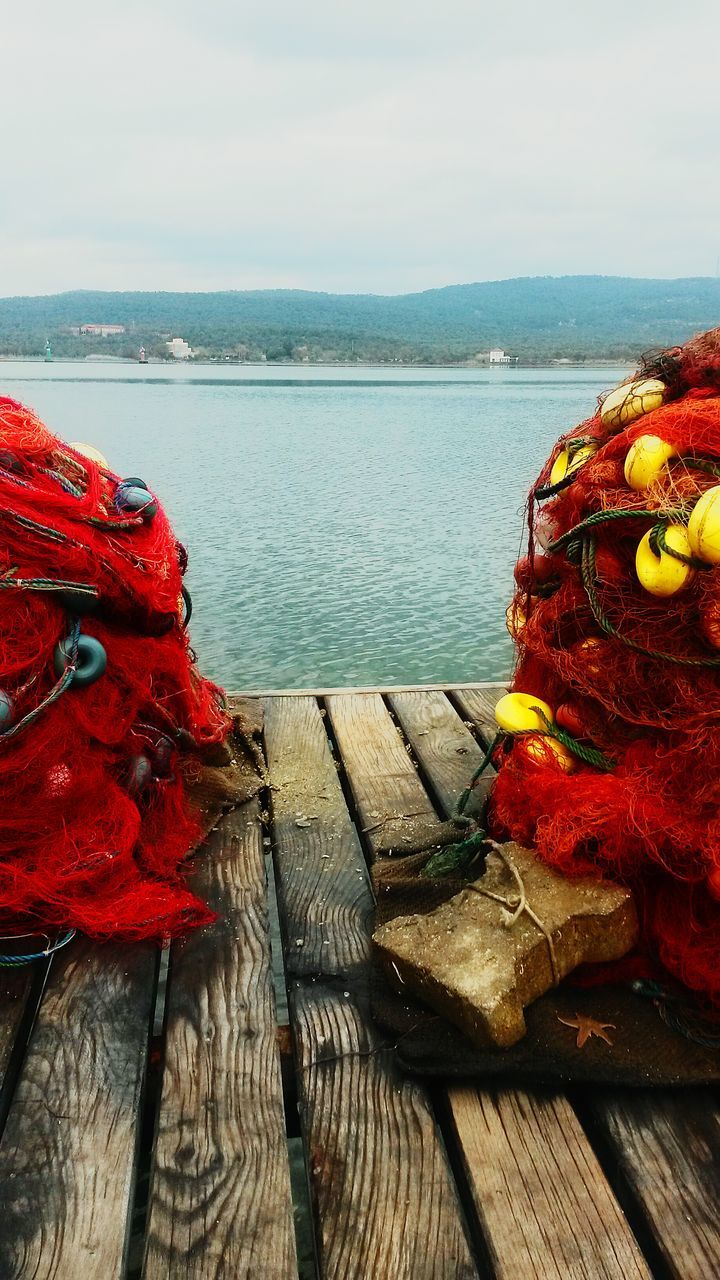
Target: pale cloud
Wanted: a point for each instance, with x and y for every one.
(375, 147)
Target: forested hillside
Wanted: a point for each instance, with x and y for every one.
(571, 317)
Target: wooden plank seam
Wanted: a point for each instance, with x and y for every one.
(385, 1203)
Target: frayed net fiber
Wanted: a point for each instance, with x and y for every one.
(95, 815)
(624, 646)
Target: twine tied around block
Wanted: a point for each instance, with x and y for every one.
(516, 909)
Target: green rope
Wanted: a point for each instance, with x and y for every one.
(588, 579)
(464, 798)
(658, 543)
(25, 523)
(98, 523)
(589, 755)
(709, 466)
(64, 483)
(550, 490)
(46, 584)
(680, 514)
(572, 446)
(66, 679)
(456, 859)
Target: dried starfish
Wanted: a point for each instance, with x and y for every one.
(587, 1027)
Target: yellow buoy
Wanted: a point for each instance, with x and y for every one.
(631, 401)
(663, 575)
(568, 460)
(515, 713)
(544, 750)
(704, 527)
(515, 619)
(516, 616)
(89, 451)
(646, 461)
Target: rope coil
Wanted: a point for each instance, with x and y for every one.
(17, 961)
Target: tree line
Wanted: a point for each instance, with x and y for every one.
(572, 317)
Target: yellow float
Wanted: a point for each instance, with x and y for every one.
(630, 401)
(516, 617)
(89, 451)
(704, 527)
(518, 713)
(663, 574)
(515, 620)
(646, 462)
(568, 461)
(545, 750)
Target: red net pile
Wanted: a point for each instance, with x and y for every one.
(94, 810)
(629, 674)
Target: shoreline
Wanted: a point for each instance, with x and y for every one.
(604, 362)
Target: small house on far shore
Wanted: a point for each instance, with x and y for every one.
(495, 356)
(179, 349)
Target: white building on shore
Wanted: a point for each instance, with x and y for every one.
(496, 356)
(179, 349)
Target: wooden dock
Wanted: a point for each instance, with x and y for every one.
(148, 1103)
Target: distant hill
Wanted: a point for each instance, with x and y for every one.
(535, 318)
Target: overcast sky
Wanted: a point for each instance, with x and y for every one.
(382, 146)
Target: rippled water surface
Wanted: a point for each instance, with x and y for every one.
(345, 526)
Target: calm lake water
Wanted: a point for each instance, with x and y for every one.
(345, 526)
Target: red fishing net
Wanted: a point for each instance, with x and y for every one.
(94, 767)
(628, 674)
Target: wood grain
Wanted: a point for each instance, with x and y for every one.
(324, 895)
(15, 987)
(510, 1140)
(443, 745)
(394, 808)
(478, 706)
(67, 1157)
(667, 1145)
(220, 1203)
(541, 1196)
(384, 1200)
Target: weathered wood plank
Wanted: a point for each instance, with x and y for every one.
(15, 988)
(394, 807)
(220, 1202)
(539, 1192)
(67, 1157)
(523, 1133)
(324, 893)
(442, 744)
(667, 1145)
(478, 706)
(385, 1205)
